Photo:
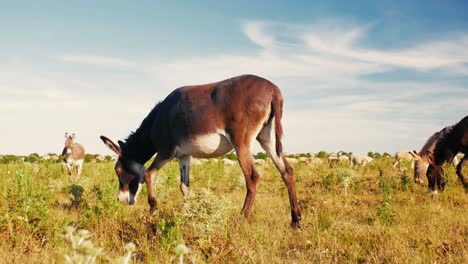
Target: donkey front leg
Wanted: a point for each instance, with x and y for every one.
(69, 167)
(184, 165)
(157, 164)
(434, 179)
(79, 166)
(460, 166)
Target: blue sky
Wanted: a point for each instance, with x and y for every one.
(356, 75)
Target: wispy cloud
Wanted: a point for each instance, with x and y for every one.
(99, 60)
(332, 54)
(437, 54)
(323, 50)
(255, 32)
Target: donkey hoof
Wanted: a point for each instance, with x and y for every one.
(153, 207)
(296, 225)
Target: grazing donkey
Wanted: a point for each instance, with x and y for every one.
(426, 153)
(359, 159)
(405, 155)
(74, 154)
(207, 121)
(455, 140)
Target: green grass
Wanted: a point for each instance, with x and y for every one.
(350, 215)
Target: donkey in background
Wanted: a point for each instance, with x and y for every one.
(206, 121)
(74, 154)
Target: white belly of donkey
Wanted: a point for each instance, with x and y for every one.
(73, 162)
(205, 146)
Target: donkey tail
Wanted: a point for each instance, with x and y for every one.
(277, 112)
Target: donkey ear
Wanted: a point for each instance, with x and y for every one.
(414, 154)
(121, 143)
(66, 134)
(111, 145)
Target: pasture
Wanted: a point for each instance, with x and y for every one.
(371, 214)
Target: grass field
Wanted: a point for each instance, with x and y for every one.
(374, 214)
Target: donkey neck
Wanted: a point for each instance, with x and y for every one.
(149, 139)
(138, 146)
(446, 149)
(138, 149)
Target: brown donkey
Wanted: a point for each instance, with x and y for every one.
(207, 121)
(426, 154)
(74, 154)
(455, 140)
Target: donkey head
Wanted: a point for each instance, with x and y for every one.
(434, 177)
(69, 141)
(420, 169)
(131, 174)
(420, 166)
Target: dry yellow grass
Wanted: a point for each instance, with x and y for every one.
(350, 215)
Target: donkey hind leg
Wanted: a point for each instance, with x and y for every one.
(251, 177)
(184, 166)
(267, 140)
(460, 172)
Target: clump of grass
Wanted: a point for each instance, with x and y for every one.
(82, 248)
(77, 193)
(205, 210)
(339, 178)
(83, 251)
(384, 211)
(181, 250)
(171, 234)
(96, 202)
(25, 209)
(405, 182)
(28, 199)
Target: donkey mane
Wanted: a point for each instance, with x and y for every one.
(429, 143)
(445, 141)
(429, 146)
(132, 147)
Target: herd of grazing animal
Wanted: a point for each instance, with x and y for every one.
(210, 120)
(355, 159)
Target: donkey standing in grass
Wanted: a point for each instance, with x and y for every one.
(426, 153)
(74, 154)
(448, 145)
(206, 121)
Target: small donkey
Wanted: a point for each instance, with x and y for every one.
(74, 154)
